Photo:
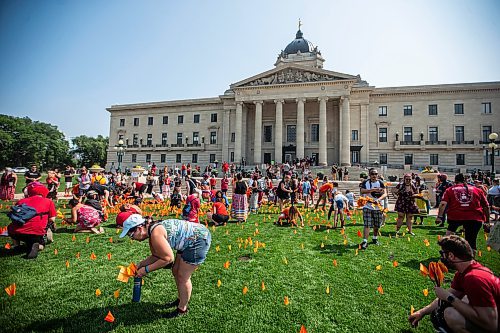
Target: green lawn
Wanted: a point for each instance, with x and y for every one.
(21, 182)
(52, 297)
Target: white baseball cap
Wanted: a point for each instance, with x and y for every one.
(131, 222)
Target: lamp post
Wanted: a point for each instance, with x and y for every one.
(120, 151)
(493, 136)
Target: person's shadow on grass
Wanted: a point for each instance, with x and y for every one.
(92, 320)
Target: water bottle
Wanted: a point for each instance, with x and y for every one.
(136, 297)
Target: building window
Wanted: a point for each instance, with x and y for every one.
(148, 158)
(459, 108)
(179, 138)
(314, 132)
(212, 158)
(407, 110)
(231, 158)
(433, 134)
(434, 159)
(408, 134)
(177, 158)
(268, 134)
(433, 110)
(134, 158)
(213, 138)
(382, 134)
(267, 158)
(136, 121)
(196, 118)
(354, 135)
(354, 156)
(408, 159)
(163, 158)
(382, 111)
(122, 122)
(164, 140)
(486, 107)
(486, 133)
(291, 133)
(233, 137)
(194, 158)
(150, 121)
(149, 140)
(196, 137)
(165, 120)
(459, 133)
(382, 158)
(180, 119)
(213, 117)
(135, 139)
(460, 159)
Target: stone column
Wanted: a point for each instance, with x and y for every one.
(363, 133)
(225, 136)
(278, 138)
(257, 159)
(345, 158)
(323, 158)
(300, 127)
(237, 131)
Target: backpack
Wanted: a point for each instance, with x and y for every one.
(187, 209)
(20, 214)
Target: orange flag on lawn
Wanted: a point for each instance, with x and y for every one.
(93, 256)
(303, 329)
(227, 264)
(380, 289)
(109, 317)
(7, 246)
(245, 290)
(11, 290)
(286, 300)
(359, 234)
(423, 270)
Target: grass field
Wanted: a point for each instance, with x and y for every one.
(56, 292)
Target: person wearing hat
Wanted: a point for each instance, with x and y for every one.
(467, 207)
(33, 231)
(190, 240)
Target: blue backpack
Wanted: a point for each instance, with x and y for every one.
(186, 209)
(20, 214)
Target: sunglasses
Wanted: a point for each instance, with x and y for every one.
(373, 174)
(131, 232)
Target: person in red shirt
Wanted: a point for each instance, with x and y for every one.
(224, 184)
(213, 182)
(33, 231)
(219, 212)
(325, 192)
(450, 310)
(194, 200)
(225, 167)
(467, 207)
(125, 211)
(290, 215)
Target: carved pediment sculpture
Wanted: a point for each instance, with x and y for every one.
(292, 75)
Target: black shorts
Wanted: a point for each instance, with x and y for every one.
(220, 218)
(29, 239)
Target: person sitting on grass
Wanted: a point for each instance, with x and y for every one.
(471, 303)
(219, 212)
(87, 217)
(192, 242)
(176, 198)
(36, 230)
(290, 215)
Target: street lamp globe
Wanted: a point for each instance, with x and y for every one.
(493, 136)
(120, 142)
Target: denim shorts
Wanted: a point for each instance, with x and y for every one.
(196, 252)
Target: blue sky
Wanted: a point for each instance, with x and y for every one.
(63, 62)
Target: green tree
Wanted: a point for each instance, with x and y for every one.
(23, 141)
(90, 150)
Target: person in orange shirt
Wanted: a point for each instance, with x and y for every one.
(325, 192)
(219, 212)
(290, 215)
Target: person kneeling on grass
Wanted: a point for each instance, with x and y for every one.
(339, 204)
(125, 211)
(471, 304)
(219, 212)
(192, 242)
(87, 217)
(290, 215)
(33, 232)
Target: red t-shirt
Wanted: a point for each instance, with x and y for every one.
(195, 206)
(465, 204)
(213, 182)
(220, 208)
(326, 187)
(38, 224)
(138, 186)
(224, 184)
(479, 284)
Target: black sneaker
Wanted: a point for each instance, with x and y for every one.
(375, 242)
(176, 313)
(34, 251)
(363, 245)
(172, 304)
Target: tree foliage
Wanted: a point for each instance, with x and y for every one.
(23, 141)
(90, 150)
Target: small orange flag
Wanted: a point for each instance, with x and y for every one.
(93, 256)
(219, 283)
(245, 290)
(67, 263)
(380, 289)
(78, 255)
(359, 234)
(335, 262)
(217, 248)
(412, 310)
(262, 286)
(423, 270)
(56, 252)
(109, 256)
(227, 264)
(109, 317)
(395, 263)
(328, 290)
(98, 292)
(87, 240)
(7, 246)
(11, 290)
(426, 292)
(111, 239)
(378, 267)
(286, 300)
(116, 293)
(73, 238)
(303, 329)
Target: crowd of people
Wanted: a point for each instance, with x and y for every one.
(468, 203)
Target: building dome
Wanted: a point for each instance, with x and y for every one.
(299, 44)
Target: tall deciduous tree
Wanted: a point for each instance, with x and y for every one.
(90, 150)
(23, 141)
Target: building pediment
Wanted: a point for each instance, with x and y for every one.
(293, 74)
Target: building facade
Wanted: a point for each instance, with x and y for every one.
(299, 109)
